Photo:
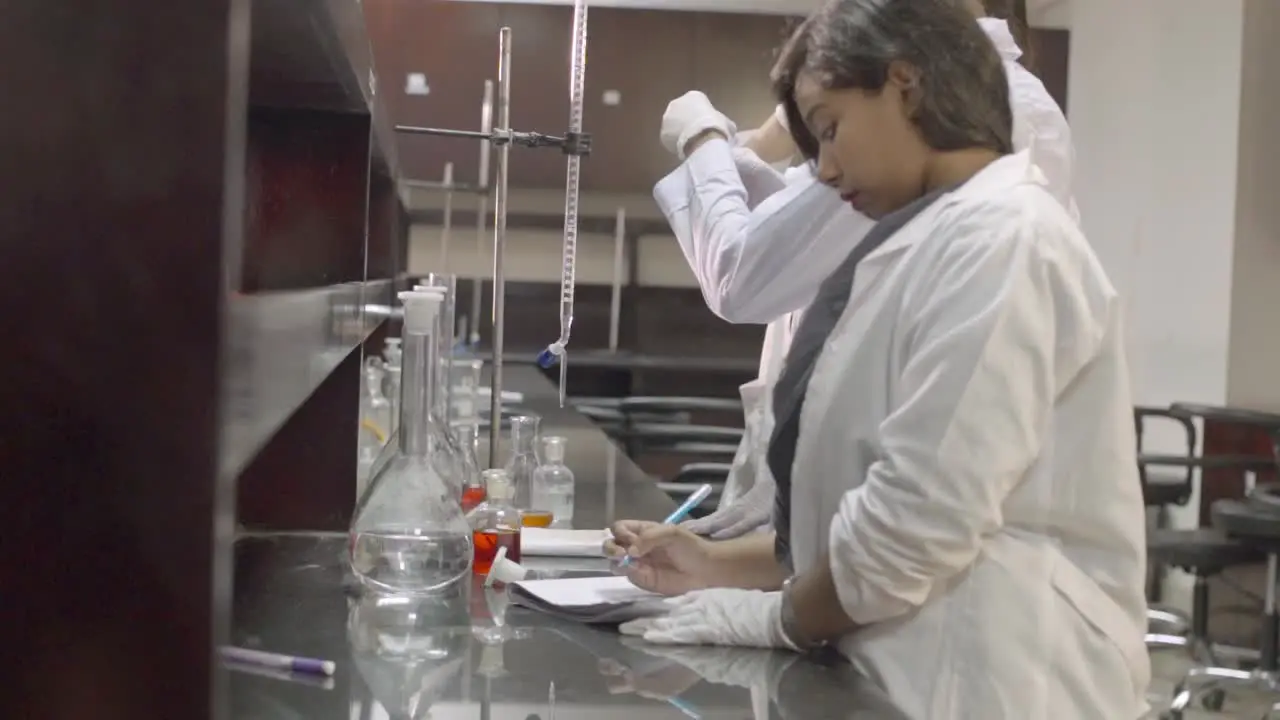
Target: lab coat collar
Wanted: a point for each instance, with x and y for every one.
(1001, 37)
(994, 179)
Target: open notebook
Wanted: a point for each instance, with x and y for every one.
(593, 600)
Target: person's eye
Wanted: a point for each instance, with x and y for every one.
(828, 133)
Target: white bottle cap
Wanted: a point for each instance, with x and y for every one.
(497, 485)
(504, 570)
(420, 310)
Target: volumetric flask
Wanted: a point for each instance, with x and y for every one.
(409, 535)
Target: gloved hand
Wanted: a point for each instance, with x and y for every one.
(752, 511)
(758, 177)
(721, 616)
(688, 116)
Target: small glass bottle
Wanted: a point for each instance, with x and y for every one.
(409, 535)
(524, 458)
(473, 492)
(495, 523)
(553, 483)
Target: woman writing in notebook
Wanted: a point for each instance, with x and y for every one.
(958, 508)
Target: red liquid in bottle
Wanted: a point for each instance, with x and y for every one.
(487, 543)
(471, 497)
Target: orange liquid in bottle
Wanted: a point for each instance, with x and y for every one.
(487, 543)
(536, 518)
(471, 497)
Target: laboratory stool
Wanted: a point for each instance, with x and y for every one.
(1254, 521)
(1203, 553)
(694, 475)
(1167, 481)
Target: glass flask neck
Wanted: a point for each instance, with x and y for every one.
(524, 432)
(373, 381)
(415, 393)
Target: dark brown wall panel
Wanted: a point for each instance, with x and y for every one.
(648, 56)
(1052, 56)
(455, 44)
(625, 154)
(733, 54)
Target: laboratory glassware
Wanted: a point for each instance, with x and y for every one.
(448, 340)
(450, 457)
(375, 421)
(524, 458)
(473, 492)
(553, 483)
(466, 391)
(391, 385)
(409, 535)
(410, 652)
(495, 523)
(556, 352)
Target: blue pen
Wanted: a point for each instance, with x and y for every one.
(679, 514)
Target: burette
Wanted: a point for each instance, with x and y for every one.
(556, 352)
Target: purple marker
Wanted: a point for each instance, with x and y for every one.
(278, 661)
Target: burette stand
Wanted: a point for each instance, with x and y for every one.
(503, 137)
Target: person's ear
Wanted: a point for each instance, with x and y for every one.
(904, 79)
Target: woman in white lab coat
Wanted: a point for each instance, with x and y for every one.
(760, 242)
(960, 510)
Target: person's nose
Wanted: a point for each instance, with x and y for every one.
(828, 172)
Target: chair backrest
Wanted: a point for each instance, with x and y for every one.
(1183, 466)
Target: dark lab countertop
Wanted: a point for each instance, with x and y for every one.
(442, 658)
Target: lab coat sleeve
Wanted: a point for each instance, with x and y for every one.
(755, 265)
(975, 388)
(1041, 127)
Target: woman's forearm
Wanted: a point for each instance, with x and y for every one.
(818, 611)
(747, 562)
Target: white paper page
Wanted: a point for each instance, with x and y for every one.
(583, 592)
(562, 543)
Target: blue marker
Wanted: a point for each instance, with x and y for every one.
(680, 513)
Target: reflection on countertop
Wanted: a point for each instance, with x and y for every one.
(469, 655)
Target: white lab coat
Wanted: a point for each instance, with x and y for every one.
(966, 463)
(760, 252)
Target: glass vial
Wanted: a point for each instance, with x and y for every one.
(409, 535)
(473, 492)
(553, 483)
(495, 523)
(524, 458)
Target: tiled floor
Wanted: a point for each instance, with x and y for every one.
(1167, 667)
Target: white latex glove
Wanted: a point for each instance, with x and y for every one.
(758, 177)
(749, 513)
(721, 616)
(687, 117)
